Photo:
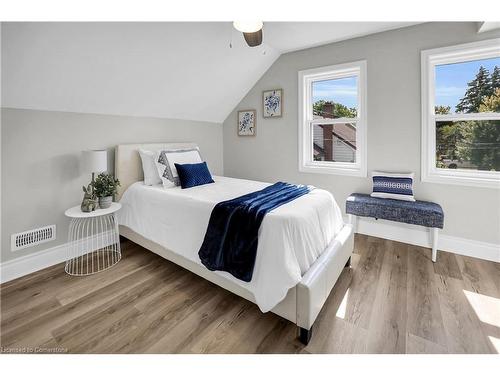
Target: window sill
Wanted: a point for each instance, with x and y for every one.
(337, 170)
(463, 179)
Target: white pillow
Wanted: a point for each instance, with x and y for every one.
(393, 185)
(151, 175)
(167, 158)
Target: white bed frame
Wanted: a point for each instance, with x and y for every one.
(301, 305)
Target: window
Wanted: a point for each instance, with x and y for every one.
(461, 114)
(332, 119)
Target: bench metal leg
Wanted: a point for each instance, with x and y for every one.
(434, 234)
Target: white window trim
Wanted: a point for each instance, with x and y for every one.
(429, 59)
(306, 78)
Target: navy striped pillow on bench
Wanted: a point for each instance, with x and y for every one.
(393, 186)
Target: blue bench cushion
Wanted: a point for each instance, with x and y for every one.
(423, 213)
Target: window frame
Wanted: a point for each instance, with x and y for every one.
(429, 60)
(305, 81)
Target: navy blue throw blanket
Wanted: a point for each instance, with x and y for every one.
(230, 242)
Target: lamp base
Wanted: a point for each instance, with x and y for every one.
(253, 39)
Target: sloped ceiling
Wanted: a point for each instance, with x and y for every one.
(168, 70)
(292, 36)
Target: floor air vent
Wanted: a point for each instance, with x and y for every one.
(32, 237)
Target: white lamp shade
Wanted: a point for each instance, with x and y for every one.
(248, 26)
(95, 161)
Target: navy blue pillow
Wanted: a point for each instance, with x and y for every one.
(193, 174)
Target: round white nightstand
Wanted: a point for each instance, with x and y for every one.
(94, 241)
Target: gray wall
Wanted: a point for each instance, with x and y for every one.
(41, 151)
(394, 124)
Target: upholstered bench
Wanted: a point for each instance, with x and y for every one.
(427, 214)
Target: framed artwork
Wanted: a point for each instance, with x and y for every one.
(272, 103)
(247, 122)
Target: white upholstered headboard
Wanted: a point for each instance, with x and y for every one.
(128, 165)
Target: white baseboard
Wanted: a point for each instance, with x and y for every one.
(417, 235)
(411, 234)
(30, 263)
(27, 264)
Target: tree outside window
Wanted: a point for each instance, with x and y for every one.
(473, 144)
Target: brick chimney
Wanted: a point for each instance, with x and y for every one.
(328, 141)
(327, 110)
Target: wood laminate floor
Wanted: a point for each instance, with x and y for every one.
(392, 300)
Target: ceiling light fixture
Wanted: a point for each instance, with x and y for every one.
(252, 31)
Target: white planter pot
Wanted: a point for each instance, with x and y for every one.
(105, 202)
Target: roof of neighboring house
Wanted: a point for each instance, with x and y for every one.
(344, 132)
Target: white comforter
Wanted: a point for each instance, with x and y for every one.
(291, 237)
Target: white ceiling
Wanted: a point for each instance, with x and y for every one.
(487, 26)
(167, 70)
(292, 36)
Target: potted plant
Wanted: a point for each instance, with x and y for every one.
(105, 187)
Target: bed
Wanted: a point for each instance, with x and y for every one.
(302, 249)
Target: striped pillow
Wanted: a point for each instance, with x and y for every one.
(393, 185)
(167, 158)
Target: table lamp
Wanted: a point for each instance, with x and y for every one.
(95, 161)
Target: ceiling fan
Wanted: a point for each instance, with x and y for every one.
(252, 31)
